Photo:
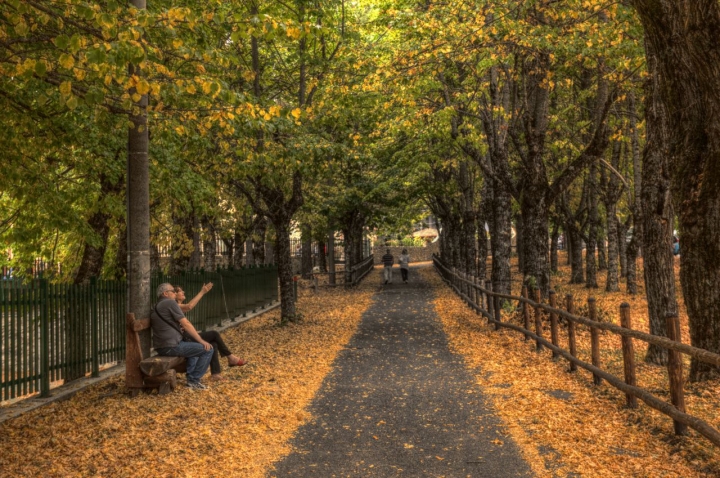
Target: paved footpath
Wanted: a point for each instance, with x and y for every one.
(399, 403)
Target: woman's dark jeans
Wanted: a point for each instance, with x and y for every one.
(404, 273)
(219, 348)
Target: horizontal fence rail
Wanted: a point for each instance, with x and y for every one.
(55, 333)
(361, 269)
(484, 301)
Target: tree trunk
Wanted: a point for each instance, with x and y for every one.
(259, 241)
(239, 244)
(535, 241)
(612, 283)
(285, 273)
(622, 247)
(138, 212)
(500, 240)
(554, 236)
(322, 257)
(306, 262)
(349, 253)
(209, 244)
(658, 213)
(633, 249)
(577, 275)
(602, 251)
(685, 36)
(519, 242)
(593, 219)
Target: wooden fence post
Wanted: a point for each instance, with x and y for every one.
(538, 321)
(628, 351)
(490, 302)
(594, 339)
(477, 295)
(553, 322)
(571, 331)
(497, 313)
(526, 311)
(675, 371)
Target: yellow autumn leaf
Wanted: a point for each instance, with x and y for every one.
(293, 33)
(66, 61)
(65, 88)
(142, 87)
(296, 113)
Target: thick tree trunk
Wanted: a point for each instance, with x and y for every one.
(285, 273)
(138, 213)
(658, 213)
(535, 242)
(633, 249)
(685, 36)
(500, 240)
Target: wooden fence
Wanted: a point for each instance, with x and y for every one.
(479, 296)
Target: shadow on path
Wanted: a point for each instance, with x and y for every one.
(399, 403)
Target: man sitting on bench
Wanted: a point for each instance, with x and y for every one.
(168, 323)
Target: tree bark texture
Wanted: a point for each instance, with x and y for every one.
(658, 212)
(500, 234)
(685, 37)
(593, 219)
(138, 212)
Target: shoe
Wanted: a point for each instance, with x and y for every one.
(239, 363)
(385, 282)
(196, 386)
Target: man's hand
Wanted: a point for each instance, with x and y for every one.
(206, 287)
(205, 345)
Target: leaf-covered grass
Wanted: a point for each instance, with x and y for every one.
(562, 422)
(237, 428)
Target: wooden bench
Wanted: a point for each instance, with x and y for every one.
(151, 373)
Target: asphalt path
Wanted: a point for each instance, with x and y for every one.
(399, 403)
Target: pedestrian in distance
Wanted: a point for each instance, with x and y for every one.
(388, 260)
(404, 261)
(170, 326)
(211, 336)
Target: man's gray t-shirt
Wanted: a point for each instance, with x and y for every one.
(164, 334)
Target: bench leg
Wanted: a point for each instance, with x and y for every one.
(165, 383)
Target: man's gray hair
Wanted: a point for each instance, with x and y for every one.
(162, 288)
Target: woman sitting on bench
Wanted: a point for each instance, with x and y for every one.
(210, 336)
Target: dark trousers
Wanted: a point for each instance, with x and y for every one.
(219, 348)
(404, 273)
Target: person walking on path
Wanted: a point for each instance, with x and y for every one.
(168, 322)
(404, 261)
(388, 260)
(211, 336)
